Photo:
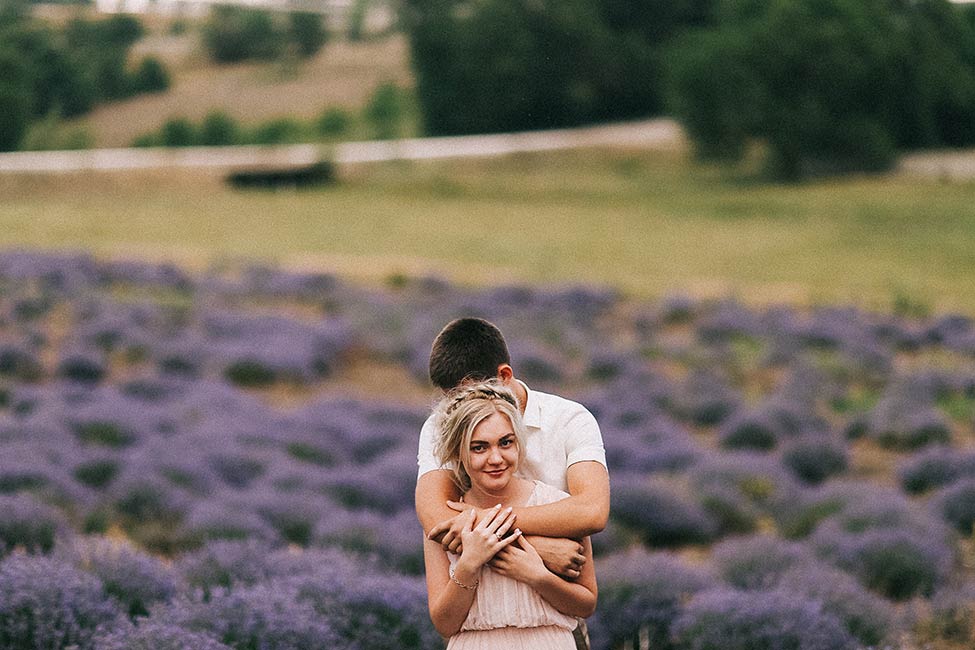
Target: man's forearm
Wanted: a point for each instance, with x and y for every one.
(575, 517)
(433, 491)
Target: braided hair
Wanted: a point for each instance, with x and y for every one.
(461, 411)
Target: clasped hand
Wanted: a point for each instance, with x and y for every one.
(482, 540)
(561, 556)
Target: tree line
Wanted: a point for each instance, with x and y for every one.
(66, 70)
(824, 86)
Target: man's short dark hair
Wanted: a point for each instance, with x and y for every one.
(467, 349)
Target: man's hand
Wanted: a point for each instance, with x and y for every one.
(561, 556)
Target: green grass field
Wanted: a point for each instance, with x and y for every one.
(648, 223)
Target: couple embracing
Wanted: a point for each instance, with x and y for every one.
(512, 482)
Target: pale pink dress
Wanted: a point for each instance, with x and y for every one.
(510, 615)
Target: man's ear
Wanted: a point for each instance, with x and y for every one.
(505, 373)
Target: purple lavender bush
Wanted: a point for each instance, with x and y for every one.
(267, 616)
(815, 459)
(870, 618)
(757, 562)
(957, 505)
(28, 524)
(897, 563)
(136, 580)
(642, 593)
(658, 513)
(148, 634)
(47, 603)
(726, 619)
(934, 468)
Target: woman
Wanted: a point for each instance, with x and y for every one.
(497, 594)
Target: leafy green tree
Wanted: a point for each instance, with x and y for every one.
(827, 85)
(306, 32)
(233, 34)
(150, 76)
(15, 100)
(500, 65)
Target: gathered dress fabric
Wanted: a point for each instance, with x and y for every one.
(510, 615)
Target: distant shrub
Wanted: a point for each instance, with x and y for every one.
(219, 129)
(46, 603)
(724, 619)
(385, 111)
(641, 592)
(178, 132)
(659, 514)
(957, 505)
(333, 121)
(282, 130)
(814, 460)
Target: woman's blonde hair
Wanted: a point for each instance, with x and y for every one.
(461, 411)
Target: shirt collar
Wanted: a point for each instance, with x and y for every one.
(533, 411)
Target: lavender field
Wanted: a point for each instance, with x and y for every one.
(186, 461)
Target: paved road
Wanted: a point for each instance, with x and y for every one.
(645, 134)
(648, 134)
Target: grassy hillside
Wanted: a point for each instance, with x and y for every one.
(343, 75)
(649, 223)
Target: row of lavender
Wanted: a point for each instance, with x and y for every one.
(781, 477)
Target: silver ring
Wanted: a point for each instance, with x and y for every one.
(499, 535)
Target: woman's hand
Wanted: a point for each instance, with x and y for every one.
(482, 541)
(520, 562)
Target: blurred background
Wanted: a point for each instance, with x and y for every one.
(740, 232)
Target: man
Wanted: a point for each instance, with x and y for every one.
(564, 449)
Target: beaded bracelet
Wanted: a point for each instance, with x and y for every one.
(461, 584)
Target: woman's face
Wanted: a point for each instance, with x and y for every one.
(492, 457)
